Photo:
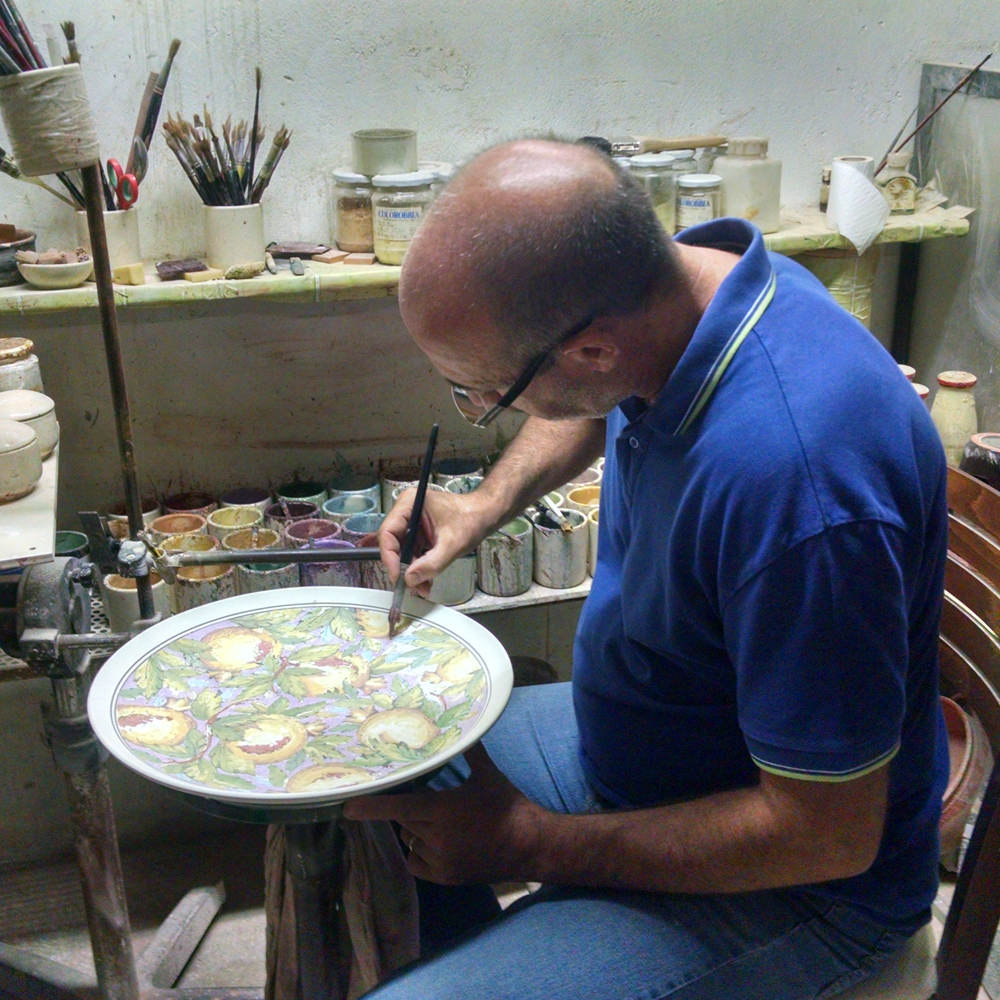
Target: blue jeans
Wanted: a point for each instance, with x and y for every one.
(586, 944)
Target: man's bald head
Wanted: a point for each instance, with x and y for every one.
(529, 239)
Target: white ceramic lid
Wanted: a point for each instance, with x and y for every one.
(683, 154)
(441, 169)
(25, 404)
(653, 159)
(345, 175)
(748, 145)
(14, 349)
(416, 178)
(14, 435)
(699, 180)
(298, 697)
(897, 160)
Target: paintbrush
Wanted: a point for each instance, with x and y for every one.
(52, 43)
(278, 147)
(253, 136)
(10, 168)
(410, 539)
(25, 34)
(156, 99)
(944, 100)
(12, 49)
(140, 121)
(560, 517)
(69, 30)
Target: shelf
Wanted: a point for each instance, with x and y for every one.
(28, 525)
(320, 283)
(806, 229)
(535, 594)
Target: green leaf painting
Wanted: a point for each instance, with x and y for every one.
(259, 703)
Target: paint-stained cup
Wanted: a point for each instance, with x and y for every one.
(121, 600)
(252, 538)
(300, 534)
(266, 576)
(357, 530)
(246, 496)
(150, 511)
(278, 516)
(357, 484)
(561, 556)
(403, 487)
(303, 493)
(191, 502)
(393, 476)
(226, 520)
(189, 543)
(506, 560)
(457, 583)
(463, 484)
(445, 470)
(199, 585)
(339, 508)
(592, 519)
(334, 574)
(589, 477)
(584, 498)
(176, 524)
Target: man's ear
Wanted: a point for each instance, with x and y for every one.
(594, 349)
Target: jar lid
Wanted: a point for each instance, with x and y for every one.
(987, 440)
(345, 175)
(15, 435)
(909, 371)
(625, 162)
(898, 160)
(682, 154)
(748, 145)
(416, 178)
(922, 391)
(652, 159)
(957, 380)
(14, 348)
(440, 169)
(699, 180)
(24, 404)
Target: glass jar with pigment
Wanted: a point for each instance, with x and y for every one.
(697, 199)
(652, 171)
(352, 196)
(399, 203)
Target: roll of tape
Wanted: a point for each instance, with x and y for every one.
(49, 121)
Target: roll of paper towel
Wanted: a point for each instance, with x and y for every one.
(856, 208)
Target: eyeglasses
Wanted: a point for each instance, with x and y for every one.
(480, 415)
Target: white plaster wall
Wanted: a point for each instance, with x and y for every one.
(820, 78)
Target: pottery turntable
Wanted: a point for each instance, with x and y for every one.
(271, 707)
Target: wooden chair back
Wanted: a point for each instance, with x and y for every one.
(970, 673)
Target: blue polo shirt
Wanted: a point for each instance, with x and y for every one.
(770, 568)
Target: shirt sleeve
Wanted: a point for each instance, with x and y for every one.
(819, 643)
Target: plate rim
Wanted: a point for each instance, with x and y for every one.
(111, 675)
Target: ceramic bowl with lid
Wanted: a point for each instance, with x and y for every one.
(18, 366)
(20, 460)
(36, 410)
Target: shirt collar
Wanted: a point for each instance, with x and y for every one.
(737, 304)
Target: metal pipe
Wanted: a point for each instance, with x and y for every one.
(221, 557)
(94, 200)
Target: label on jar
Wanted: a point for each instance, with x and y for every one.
(397, 225)
(694, 208)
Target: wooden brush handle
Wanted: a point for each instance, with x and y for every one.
(650, 144)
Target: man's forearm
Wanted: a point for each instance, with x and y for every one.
(544, 455)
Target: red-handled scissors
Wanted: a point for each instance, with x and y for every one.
(125, 186)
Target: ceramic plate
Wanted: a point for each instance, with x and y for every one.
(298, 697)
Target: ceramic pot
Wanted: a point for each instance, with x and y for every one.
(592, 527)
(37, 411)
(393, 476)
(584, 498)
(150, 511)
(252, 538)
(456, 584)
(189, 543)
(403, 487)
(355, 530)
(266, 576)
(20, 460)
(506, 561)
(234, 234)
(176, 524)
(19, 368)
(121, 600)
(190, 502)
(338, 509)
(246, 496)
(589, 477)
(276, 518)
(334, 574)
(303, 493)
(226, 520)
(24, 239)
(72, 544)
(463, 484)
(301, 534)
(561, 556)
(357, 484)
(448, 469)
(123, 236)
(198, 585)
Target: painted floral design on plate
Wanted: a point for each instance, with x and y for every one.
(299, 700)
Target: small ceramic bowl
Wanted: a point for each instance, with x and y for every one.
(36, 410)
(52, 276)
(191, 502)
(175, 524)
(20, 460)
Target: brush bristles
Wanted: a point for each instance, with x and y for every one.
(174, 46)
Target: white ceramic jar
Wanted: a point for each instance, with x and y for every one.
(751, 183)
(18, 366)
(954, 412)
(36, 410)
(20, 460)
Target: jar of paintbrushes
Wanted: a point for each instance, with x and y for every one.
(229, 177)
